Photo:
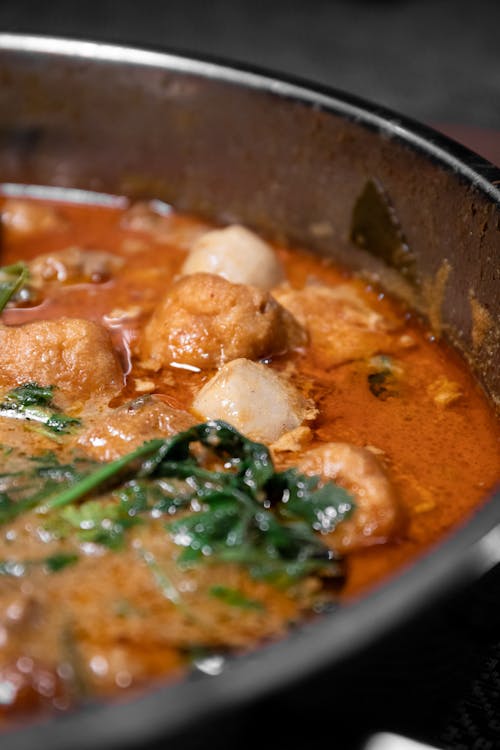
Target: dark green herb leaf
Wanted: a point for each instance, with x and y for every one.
(235, 598)
(303, 497)
(249, 514)
(34, 402)
(12, 279)
(258, 518)
(32, 479)
(104, 473)
(31, 394)
(99, 522)
(61, 560)
(51, 564)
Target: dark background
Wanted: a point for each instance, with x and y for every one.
(437, 61)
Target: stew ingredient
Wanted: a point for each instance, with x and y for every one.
(205, 440)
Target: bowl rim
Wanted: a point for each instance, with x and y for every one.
(463, 555)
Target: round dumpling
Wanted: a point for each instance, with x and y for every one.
(254, 399)
(238, 255)
(205, 321)
(74, 355)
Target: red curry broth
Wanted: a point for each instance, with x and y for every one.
(437, 438)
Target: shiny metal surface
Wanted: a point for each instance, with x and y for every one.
(389, 741)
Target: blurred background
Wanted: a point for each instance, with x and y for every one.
(437, 61)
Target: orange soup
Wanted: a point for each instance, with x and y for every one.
(206, 439)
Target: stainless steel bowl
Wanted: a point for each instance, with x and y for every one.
(295, 161)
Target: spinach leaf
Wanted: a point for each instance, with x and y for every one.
(51, 564)
(31, 401)
(384, 377)
(235, 598)
(12, 279)
(229, 503)
(98, 522)
(30, 480)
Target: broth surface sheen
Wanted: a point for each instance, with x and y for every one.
(120, 341)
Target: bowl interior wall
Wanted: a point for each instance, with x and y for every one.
(237, 152)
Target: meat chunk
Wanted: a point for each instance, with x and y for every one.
(341, 325)
(205, 321)
(119, 431)
(23, 217)
(254, 399)
(377, 515)
(238, 255)
(74, 265)
(72, 354)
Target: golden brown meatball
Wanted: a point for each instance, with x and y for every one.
(205, 321)
(119, 431)
(74, 355)
(377, 515)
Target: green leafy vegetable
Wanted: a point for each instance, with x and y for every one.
(229, 503)
(235, 598)
(51, 564)
(60, 560)
(34, 402)
(86, 484)
(252, 515)
(12, 279)
(99, 522)
(32, 479)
